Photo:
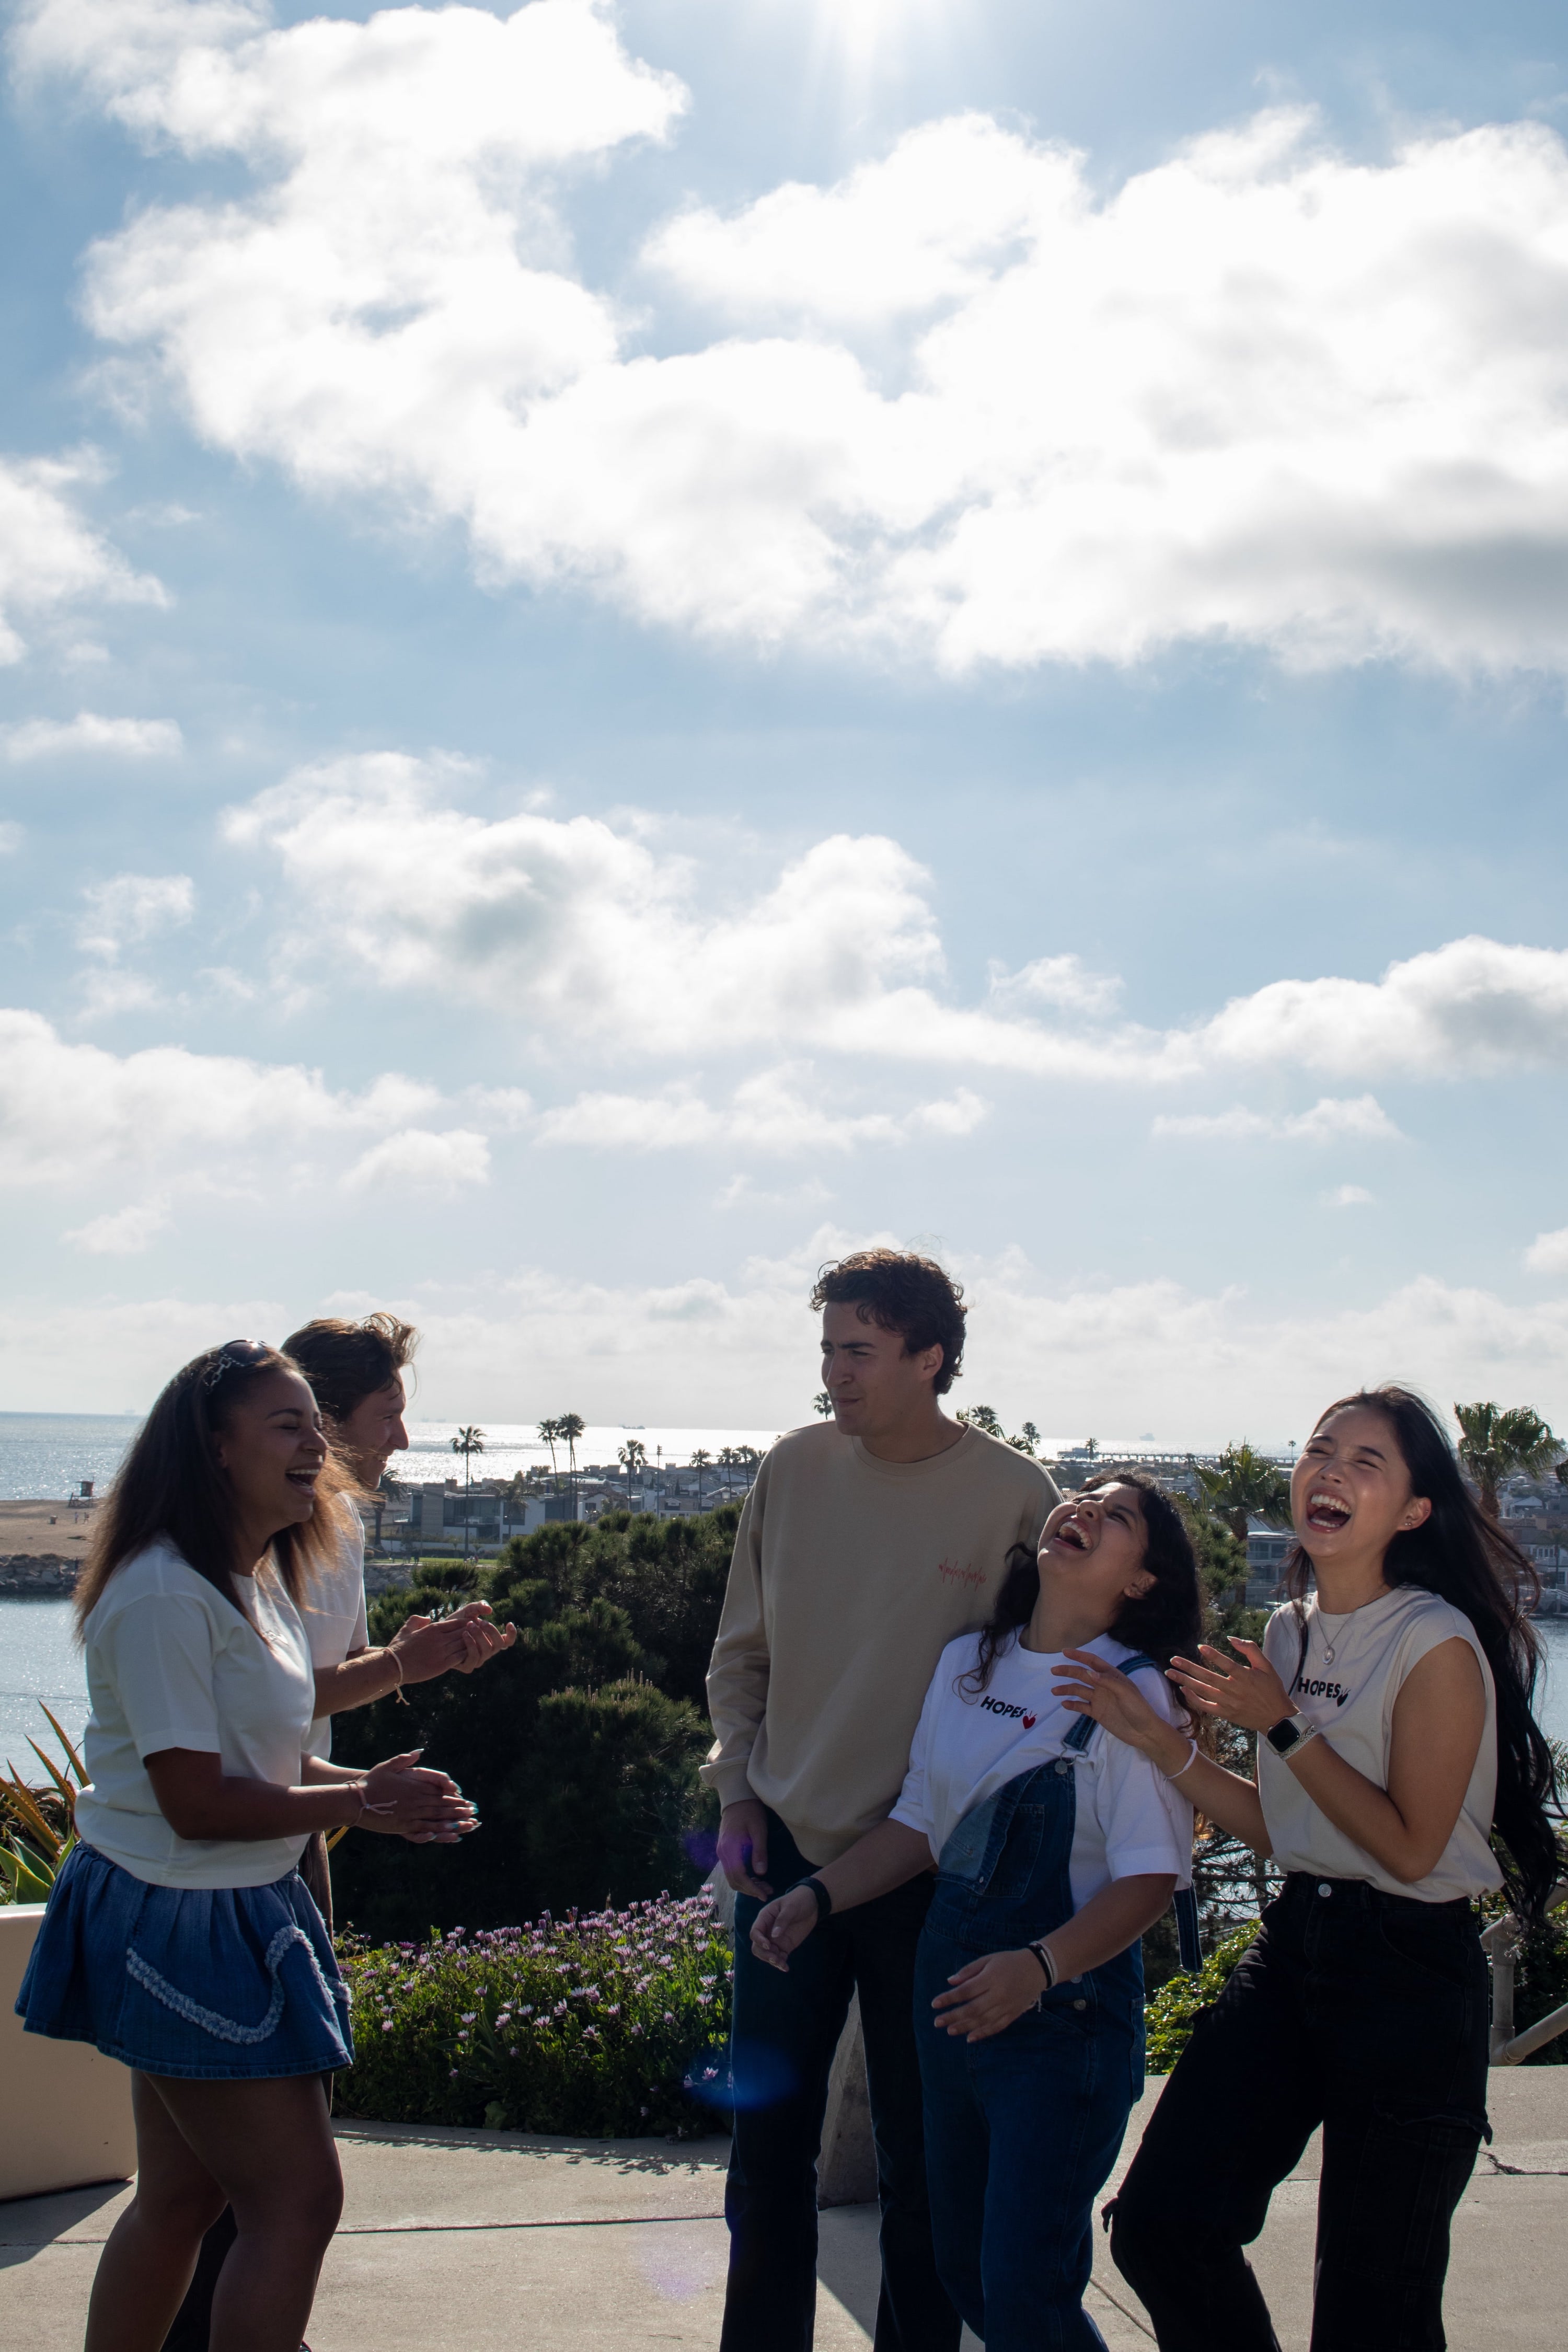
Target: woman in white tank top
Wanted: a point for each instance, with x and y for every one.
(1395, 1729)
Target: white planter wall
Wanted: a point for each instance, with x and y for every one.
(65, 2111)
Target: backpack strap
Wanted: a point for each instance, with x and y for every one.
(1183, 1902)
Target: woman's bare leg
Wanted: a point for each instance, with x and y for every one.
(146, 2266)
(266, 2149)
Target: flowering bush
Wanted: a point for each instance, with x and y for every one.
(608, 2025)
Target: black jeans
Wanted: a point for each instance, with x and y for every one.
(786, 2029)
(1367, 2013)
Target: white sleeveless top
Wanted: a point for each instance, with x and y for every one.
(1350, 1696)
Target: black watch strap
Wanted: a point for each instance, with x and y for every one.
(824, 1900)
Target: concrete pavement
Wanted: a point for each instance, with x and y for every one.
(491, 2240)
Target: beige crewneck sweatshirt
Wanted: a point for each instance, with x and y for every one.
(849, 1578)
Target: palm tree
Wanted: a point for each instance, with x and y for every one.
(1026, 1441)
(467, 1442)
(549, 1434)
(633, 1456)
(981, 1416)
(1245, 1485)
(1499, 1442)
(700, 1462)
(569, 1428)
(823, 1403)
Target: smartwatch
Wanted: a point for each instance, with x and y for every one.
(1287, 1738)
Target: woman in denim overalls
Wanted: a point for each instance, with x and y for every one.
(1053, 1856)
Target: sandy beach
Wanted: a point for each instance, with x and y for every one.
(45, 1530)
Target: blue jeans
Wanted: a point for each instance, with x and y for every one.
(1021, 2131)
(785, 2030)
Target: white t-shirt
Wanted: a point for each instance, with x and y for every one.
(1351, 1696)
(332, 1606)
(172, 1664)
(1129, 1820)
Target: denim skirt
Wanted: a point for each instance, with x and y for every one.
(208, 1983)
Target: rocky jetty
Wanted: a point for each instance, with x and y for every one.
(41, 1576)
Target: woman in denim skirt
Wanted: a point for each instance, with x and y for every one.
(179, 1937)
(1055, 1848)
(1394, 1733)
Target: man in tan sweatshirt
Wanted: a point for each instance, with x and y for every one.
(867, 1544)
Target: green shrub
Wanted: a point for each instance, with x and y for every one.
(589, 2025)
(1168, 2018)
(580, 1747)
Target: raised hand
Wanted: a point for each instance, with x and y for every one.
(428, 1646)
(1243, 1690)
(1090, 1687)
(785, 1923)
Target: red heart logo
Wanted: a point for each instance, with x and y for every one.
(1028, 1722)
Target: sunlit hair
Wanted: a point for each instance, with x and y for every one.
(346, 1362)
(1462, 1555)
(1166, 1620)
(171, 1486)
(900, 1291)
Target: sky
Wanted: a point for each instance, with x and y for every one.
(642, 645)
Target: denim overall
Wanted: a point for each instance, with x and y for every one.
(1022, 2129)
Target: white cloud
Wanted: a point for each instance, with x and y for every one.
(595, 934)
(1548, 1253)
(1360, 1119)
(124, 1233)
(1062, 981)
(584, 930)
(132, 908)
(1106, 1359)
(959, 404)
(49, 557)
(416, 1159)
(1348, 1196)
(71, 1112)
(10, 838)
(113, 1355)
(125, 739)
(768, 1113)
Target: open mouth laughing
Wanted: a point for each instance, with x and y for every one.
(1072, 1533)
(1327, 1513)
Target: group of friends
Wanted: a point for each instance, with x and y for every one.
(963, 1725)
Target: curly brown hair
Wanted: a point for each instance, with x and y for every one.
(899, 1291)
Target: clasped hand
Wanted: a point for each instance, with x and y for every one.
(405, 1799)
(428, 1646)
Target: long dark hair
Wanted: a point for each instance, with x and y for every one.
(172, 1484)
(1462, 1555)
(1166, 1620)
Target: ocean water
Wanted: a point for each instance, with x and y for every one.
(44, 1456)
(39, 1661)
